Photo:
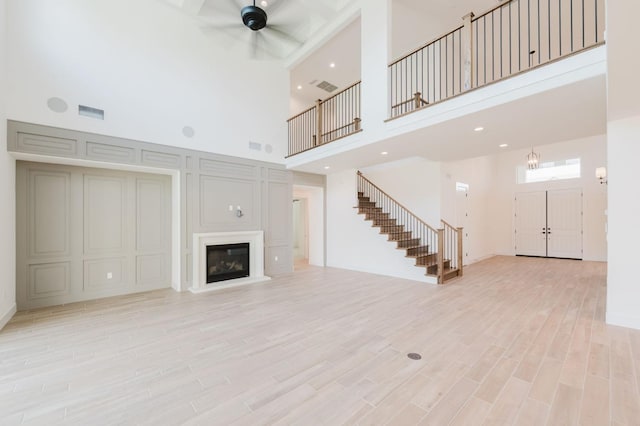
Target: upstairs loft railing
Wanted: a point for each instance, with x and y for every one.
(511, 38)
(327, 121)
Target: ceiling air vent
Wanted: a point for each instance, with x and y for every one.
(91, 112)
(326, 86)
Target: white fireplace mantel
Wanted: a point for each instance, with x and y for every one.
(256, 258)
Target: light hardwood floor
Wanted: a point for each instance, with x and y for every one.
(515, 341)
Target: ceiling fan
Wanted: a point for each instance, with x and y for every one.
(268, 38)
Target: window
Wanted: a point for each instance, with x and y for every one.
(550, 170)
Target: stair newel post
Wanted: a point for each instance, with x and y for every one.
(467, 52)
(416, 100)
(460, 251)
(440, 255)
(318, 140)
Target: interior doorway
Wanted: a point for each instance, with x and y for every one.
(308, 226)
(462, 217)
(549, 223)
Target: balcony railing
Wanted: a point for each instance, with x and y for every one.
(327, 121)
(513, 37)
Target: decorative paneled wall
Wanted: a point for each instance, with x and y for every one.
(84, 233)
(211, 189)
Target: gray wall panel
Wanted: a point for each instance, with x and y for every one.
(152, 224)
(45, 145)
(103, 152)
(105, 274)
(151, 269)
(86, 233)
(219, 199)
(49, 217)
(104, 214)
(48, 280)
(160, 159)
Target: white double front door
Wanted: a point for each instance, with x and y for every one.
(549, 223)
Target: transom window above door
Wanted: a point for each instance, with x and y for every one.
(550, 170)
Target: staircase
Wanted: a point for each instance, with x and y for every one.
(439, 251)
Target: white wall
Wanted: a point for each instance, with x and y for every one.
(7, 195)
(592, 152)
(479, 174)
(413, 28)
(151, 68)
(414, 183)
(351, 241)
(623, 112)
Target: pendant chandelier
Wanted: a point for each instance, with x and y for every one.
(533, 160)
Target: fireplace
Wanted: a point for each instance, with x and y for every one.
(228, 243)
(227, 262)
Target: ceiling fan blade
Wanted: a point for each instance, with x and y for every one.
(273, 6)
(283, 35)
(255, 40)
(238, 4)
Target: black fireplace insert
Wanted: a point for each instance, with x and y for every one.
(227, 262)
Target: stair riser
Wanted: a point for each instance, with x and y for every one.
(384, 222)
(366, 204)
(391, 229)
(400, 236)
(427, 260)
(370, 210)
(433, 269)
(408, 243)
(418, 251)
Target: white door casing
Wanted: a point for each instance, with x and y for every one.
(549, 223)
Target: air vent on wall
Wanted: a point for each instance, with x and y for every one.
(91, 112)
(326, 86)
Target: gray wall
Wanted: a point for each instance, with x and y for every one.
(208, 185)
(85, 233)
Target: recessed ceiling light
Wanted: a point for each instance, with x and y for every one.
(332, 65)
(503, 145)
(263, 3)
(299, 87)
(327, 167)
(478, 129)
(384, 153)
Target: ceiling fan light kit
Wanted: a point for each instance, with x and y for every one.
(253, 17)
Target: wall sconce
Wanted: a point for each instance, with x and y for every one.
(239, 212)
(601, 173)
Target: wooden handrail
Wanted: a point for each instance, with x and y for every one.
(409, 101)
(341, 92)
(493, 9)
(447, 223)
(395, 201)
(416, 50)
(339, 128)
(302, 113)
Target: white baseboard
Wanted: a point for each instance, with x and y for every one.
(623, 320)
(7, 316)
